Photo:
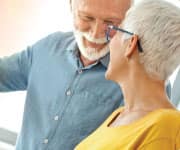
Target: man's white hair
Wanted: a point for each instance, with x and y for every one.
(157, 23)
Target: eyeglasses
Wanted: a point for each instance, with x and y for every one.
(111, 30)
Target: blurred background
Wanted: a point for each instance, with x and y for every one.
(23, 22)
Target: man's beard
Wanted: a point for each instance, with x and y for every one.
(88, 52)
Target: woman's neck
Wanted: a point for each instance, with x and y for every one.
(144, 93)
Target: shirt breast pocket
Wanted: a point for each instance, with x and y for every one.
(90, 110)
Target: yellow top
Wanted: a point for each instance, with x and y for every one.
(158, 130)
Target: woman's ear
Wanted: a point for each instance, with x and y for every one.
(132, 46)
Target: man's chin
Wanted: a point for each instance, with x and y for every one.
(90, 50)
(93, 54)
(98, 47)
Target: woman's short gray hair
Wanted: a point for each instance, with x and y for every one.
(157, 23)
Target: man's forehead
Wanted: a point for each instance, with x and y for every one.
(102, 2)
(108, 7)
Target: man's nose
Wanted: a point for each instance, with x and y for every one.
(98, 29)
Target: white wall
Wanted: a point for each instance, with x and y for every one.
(22, 22)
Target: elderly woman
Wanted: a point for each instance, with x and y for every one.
(143, 53)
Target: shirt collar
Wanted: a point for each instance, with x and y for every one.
(105, 60)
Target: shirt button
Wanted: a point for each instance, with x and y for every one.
(56, 118)
(46, 141)
(68, 93)
(80, 71)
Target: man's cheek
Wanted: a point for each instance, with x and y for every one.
(81, 26)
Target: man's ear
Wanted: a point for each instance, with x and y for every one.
(132, 46)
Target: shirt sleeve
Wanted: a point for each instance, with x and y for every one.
(164, 144)
(14, 71)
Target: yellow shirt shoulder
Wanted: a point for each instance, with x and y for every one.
(159, 129)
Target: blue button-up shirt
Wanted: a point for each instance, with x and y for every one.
(65, 101)
(175, 94)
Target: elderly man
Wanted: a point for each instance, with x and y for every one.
(68, 96)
